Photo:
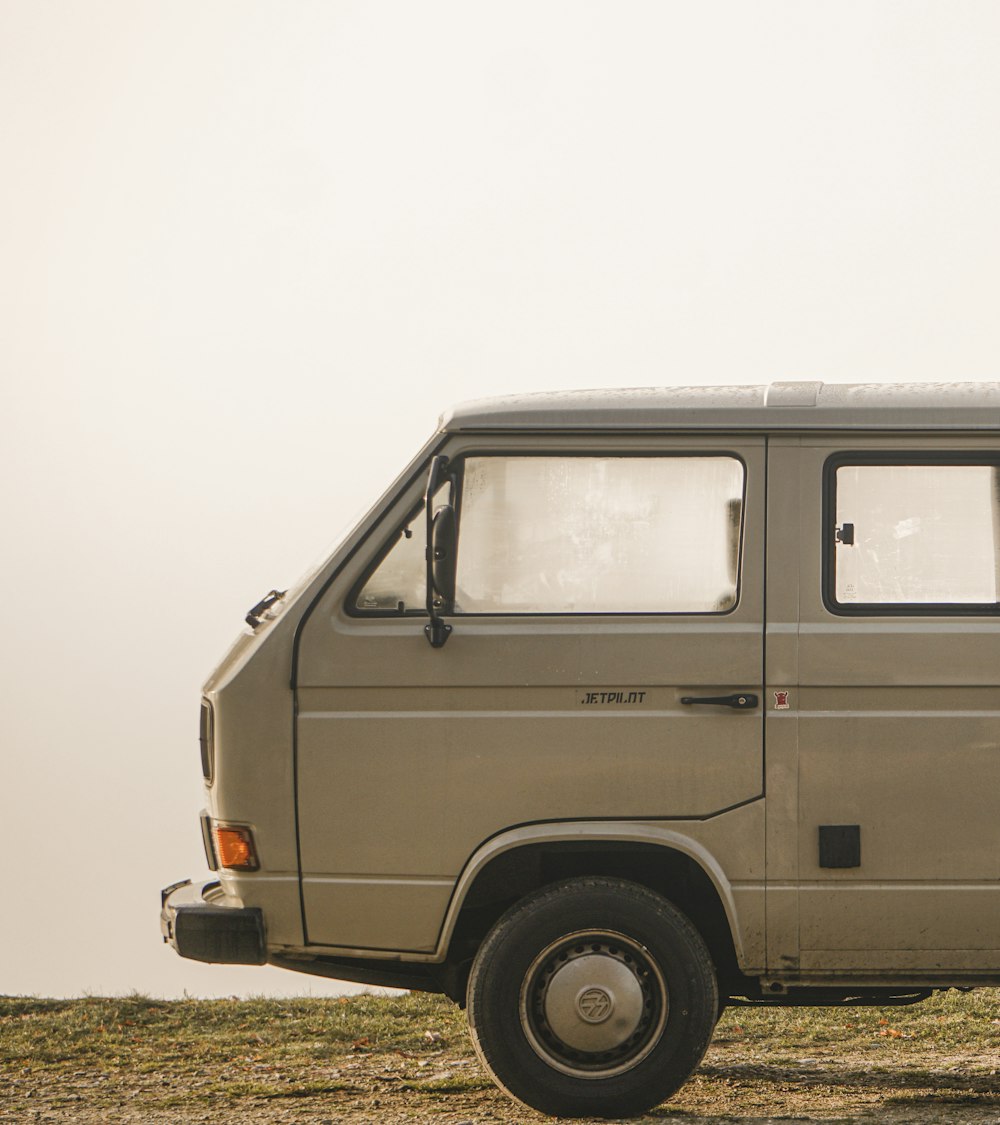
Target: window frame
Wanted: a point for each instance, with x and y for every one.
(957, 457)
(456, 467)
(351, 607)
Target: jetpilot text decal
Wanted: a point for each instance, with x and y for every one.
(606, 697)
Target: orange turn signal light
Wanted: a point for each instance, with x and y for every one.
(234, 847)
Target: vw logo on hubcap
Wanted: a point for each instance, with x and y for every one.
(594, 1005)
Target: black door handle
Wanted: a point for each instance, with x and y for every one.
(743, 701)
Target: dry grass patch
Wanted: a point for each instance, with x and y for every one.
(408, 1059)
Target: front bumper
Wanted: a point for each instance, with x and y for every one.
(201, 923)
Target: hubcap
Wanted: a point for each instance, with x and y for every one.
(593, 1004)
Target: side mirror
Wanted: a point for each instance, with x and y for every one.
(444, 537)
(442, 540)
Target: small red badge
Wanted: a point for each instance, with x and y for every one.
(781, 701)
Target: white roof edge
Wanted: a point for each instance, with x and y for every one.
(784, 405)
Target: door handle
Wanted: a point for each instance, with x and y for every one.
(742, 701)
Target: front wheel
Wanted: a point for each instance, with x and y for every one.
(593, 997)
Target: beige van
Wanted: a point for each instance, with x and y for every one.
(694, 700)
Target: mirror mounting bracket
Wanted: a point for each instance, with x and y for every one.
(437, 632)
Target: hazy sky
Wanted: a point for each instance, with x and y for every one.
(249, 251)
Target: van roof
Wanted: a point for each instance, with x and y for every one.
(780, 406)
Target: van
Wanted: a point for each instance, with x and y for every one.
(621, 707)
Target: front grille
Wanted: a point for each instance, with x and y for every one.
(206, 739)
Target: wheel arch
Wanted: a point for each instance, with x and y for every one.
(518, 861)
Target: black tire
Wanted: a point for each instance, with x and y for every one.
(592, 998)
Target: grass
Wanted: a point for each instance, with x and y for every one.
(948, 1021)
(367, 1050)
(231, 1048)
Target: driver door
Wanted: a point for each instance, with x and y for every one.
(601, 587)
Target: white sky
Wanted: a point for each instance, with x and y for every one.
(249, 251)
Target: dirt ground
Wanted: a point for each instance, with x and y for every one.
(409, 1060)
